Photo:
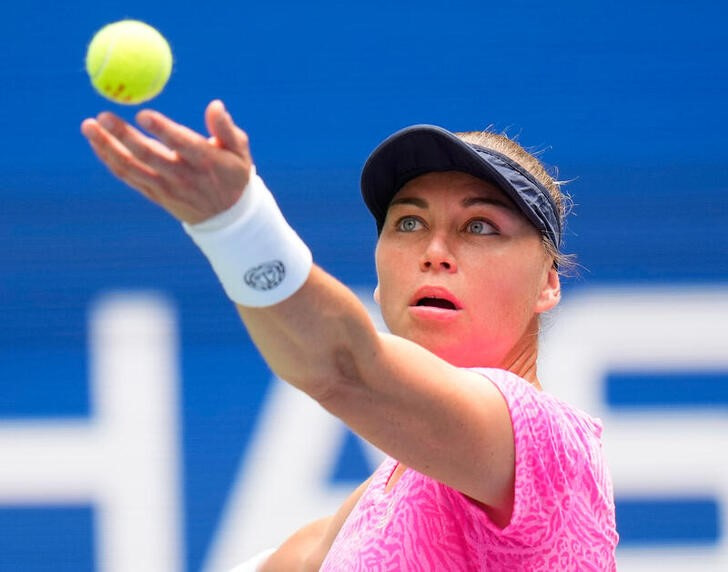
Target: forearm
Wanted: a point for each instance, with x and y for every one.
(315, 338)
(308, 547)
(300, 551)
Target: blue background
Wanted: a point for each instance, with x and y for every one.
(628, 99)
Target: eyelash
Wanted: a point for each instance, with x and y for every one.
(402, 220)
(484, 221)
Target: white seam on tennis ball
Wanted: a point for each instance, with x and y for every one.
(107, 55)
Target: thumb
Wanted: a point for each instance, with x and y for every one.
(220, 125)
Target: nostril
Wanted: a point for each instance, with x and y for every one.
(443, 264)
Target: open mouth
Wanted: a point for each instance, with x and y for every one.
(436, 298)
(436, 303)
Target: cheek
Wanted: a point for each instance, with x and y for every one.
(379, 267)
(502, 304)
(510, 294)
(386, 270)
(389, 262)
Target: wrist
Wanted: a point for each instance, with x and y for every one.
(257, 256)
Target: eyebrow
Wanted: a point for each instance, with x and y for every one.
(466, 202)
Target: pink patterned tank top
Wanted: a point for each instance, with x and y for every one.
(563, 511)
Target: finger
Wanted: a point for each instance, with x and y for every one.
(189, 144)
(221, 126)
(146, 149)
(119, 160)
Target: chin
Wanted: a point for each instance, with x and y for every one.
(459, 360)
(446, 344)
(460, 356)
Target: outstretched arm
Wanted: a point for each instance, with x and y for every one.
(449, 423)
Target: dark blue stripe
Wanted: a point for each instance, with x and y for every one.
(48, 538)
(666, 390)
(44, 382)
(668, 521)
(352, 465)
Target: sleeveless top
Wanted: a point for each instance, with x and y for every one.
(563, 513)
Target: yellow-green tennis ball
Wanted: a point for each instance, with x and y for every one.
(128, 62)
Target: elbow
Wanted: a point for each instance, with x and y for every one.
(340, 379)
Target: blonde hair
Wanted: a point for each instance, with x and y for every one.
(502, 144)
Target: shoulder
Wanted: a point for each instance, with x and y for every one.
(557, 446)
(528, 404)
(558, 453)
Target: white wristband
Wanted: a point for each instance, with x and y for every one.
(254, 563)
(258, 257)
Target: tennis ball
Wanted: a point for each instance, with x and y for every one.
(128, 62)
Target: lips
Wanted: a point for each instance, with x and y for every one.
(435, 297)
(436, 303)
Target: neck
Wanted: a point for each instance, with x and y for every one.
(521, 360)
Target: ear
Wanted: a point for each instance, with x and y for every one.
(376, 296)
(550, 294)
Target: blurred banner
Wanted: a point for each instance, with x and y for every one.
(139, 428)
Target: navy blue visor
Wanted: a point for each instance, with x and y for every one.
(422, 149)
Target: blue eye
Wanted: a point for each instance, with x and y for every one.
(479, 226)
(408, 224)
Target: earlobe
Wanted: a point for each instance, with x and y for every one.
(550, 293)
(376, 295)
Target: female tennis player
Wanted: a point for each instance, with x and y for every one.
(484, 470)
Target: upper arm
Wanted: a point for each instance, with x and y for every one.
(449, 423)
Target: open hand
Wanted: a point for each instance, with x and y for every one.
(191, 176)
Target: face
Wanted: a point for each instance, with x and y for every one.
(462, 272)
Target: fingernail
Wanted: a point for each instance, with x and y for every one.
(106, 122)
(86, 128)
(145, 121)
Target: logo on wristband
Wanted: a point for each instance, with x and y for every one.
(265, 276)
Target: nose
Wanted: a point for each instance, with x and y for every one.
(438, 256)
